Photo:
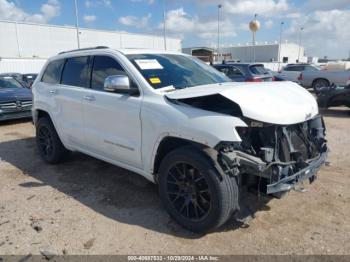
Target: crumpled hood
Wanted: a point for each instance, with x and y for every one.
(282, 103)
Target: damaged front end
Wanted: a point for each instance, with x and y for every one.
(275, 157)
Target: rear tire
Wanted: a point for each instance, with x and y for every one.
(318, 84)
(194, 193)
(49, 144)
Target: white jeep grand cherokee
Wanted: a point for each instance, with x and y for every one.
(181, 124)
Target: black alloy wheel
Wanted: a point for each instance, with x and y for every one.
(45, 141)
(48, 142)
(188, 191)
(194, 192)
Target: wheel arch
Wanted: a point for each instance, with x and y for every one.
(39, 113)
(168, 144)
(320, 78)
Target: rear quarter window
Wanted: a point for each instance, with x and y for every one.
(52, 74)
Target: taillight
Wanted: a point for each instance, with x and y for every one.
(273, 78)
(300, 77)
(254, 79)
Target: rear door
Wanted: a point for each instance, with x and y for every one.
(292, 73)
(68, 112)
(112, 120)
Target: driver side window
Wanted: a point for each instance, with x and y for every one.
(104, 66)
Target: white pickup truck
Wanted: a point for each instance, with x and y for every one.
(181, 124)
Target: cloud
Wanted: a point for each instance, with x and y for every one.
(49, 10)
(96, 3)
(268, 24)
(324, 33)
(179, 22)
(327, 5)
(135, 21)
(262, 7)
(89, 18)
(250, 7)
(150, 2)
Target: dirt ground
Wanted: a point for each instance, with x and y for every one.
(86, 206)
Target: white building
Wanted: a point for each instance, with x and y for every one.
(24, 47)
(289, 53)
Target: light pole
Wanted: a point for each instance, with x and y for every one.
(77, 22)
(280, 46)
(164, 26)
(301, 29)
(218, 47)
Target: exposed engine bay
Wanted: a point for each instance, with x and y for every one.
(275, 156)
(280, 155)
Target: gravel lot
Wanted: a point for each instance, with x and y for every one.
(86, 206)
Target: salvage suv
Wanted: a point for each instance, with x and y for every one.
(181, 124)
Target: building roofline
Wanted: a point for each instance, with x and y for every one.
(82, 28)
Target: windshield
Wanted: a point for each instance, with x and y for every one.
(8, 82)
(178, 71)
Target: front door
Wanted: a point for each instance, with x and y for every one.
(112, 121)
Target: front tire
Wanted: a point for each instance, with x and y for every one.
(193, 192)
(49, 144)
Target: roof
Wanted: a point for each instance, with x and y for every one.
(237, 64)
(125, 51)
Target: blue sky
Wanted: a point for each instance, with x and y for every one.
(195, 21)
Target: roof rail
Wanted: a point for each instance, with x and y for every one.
(84, 49)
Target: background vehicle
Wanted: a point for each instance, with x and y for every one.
(15, 100)
(323, 78)
(276, 75)
(26, 80)
(244, 72)
(333, 96)
(291, 72)
(181, 124)
(29, 79)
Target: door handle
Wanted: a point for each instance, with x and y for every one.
(53, 92)
(89, 98)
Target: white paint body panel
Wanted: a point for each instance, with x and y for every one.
(126, 131)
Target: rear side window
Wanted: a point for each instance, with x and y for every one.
(52, 74)
(75, 72)
(103, 67)
(230, 71)
(258, 70)
(294, 68)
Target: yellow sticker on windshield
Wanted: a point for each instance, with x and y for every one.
(155, 80)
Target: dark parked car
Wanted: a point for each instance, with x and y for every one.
(15, 100)
(245, 72)
(25, 79)
(334, 96)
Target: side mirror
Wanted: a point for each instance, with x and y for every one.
(119, 84)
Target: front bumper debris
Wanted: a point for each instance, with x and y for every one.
(308, 172)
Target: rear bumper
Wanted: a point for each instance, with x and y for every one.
(308, 172)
